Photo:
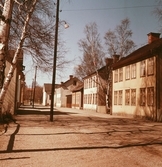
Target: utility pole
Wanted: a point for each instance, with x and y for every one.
(34, 85)
(54, 62)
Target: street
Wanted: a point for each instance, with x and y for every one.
(79, 138)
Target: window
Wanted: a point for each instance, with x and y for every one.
(116, 76)
(93, 81)
(150, 96)
(127, 72)
(150, 66)
(120, 97)
(90, 82)
(85, 99)
(143, 68)
(115, 97)
(127, 97)
(142, 96)
(133, 97)
(121, 74)
(133, 71)
(94, 98)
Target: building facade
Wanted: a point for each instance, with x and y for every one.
(14, 95)
(97, 89)
(137, 86)
(65, 93)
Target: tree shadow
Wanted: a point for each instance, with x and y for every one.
(38, 112)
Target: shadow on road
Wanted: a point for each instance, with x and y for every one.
(38, 112)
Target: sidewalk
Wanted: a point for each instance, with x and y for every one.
(76, 138)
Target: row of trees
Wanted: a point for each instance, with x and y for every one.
(117, 42)
(29, 94)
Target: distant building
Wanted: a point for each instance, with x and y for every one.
(97, 89)
(63, 93)
(77, 97)
(67, 94)
(47, 94)
(137, 86)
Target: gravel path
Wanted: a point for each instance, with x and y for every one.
(80, 139)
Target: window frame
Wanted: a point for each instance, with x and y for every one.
(127, 72)
(115, 97)
(150, 96)
(150, 64)
(133, 97)
(127, 97)
(133, 71)
(120, 99)
(142, 96)
(143, 68)
(120, 74)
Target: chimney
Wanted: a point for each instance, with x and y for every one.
(70, 77)
(108, 61)
(116, 58)
(153, 37)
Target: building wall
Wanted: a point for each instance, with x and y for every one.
(128, 86)
(159, 88)
(57, 98)
(44, 96)
(76, 100)
(90, 93)
(9, 100)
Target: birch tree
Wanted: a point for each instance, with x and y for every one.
(93, 55)
(119, 41)
(5, 22)
(158, 12)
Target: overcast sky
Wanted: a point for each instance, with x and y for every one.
(107, 14)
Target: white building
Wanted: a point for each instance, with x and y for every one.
(137, 86)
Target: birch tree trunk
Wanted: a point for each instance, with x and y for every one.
(4, 34)
(5, 19)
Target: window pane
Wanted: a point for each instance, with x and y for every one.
(142, 96)
(121, 74)
(150, 66)
(120, 97)
(127, 72)
(115, 97)
(150, 96)
(142, 68)
(127, 97)
(133, 97)
(133, 71)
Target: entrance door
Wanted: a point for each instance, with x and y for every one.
(69, 101)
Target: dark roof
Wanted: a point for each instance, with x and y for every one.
(140, 54)
(78, 88)
(102, 69)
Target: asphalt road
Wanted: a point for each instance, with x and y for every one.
(79, 138)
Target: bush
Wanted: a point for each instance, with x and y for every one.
(7, 117)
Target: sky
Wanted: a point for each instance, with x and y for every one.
(107, 14)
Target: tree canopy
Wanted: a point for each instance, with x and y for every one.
(119, 41)
(39, 42)
(93, 55)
